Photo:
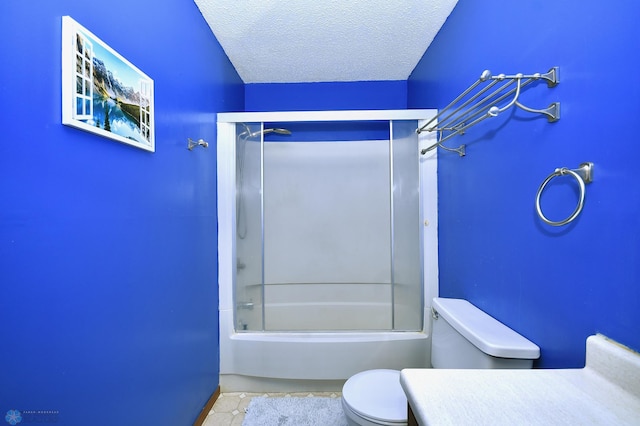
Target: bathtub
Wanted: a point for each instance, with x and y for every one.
(298, 361)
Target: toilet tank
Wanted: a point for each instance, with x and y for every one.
(466, 337)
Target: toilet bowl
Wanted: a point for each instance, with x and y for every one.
(374, 397)
(463, 337)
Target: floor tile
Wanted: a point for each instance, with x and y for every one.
(230, 408)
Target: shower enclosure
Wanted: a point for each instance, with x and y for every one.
(324, 221)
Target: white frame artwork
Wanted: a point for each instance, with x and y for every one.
(102, 92)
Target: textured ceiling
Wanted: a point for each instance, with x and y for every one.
(288, 41)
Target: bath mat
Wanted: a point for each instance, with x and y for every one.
(294, 411)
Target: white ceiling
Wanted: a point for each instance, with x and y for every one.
(289, 41)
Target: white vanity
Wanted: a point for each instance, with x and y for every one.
(605, 392)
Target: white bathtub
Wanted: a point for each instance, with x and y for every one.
(265, 361)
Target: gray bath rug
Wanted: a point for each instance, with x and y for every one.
(293, 411)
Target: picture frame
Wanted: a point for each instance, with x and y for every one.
(102, 92)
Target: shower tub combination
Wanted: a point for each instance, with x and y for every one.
(327, 246)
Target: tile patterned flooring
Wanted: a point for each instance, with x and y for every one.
(230, 407)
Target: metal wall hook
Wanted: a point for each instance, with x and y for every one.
(583, 175)
(199, 142)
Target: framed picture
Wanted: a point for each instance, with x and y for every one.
(102, 92)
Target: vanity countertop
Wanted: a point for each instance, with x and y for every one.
(605, 392)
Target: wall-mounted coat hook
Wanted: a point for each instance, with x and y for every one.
(199, 142)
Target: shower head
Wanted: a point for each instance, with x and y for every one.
(276, 130)
(248, 134)
(279, 131)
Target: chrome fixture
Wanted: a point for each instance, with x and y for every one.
(249, 134)
(455, 119)
(582, 175)
(199, 142)
(245, 305)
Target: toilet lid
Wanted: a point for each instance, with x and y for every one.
(377, 394)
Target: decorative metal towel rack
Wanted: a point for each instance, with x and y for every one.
(478, 103)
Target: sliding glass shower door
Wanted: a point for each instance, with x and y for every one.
(406, 228)
(248, 289)
(328, 228)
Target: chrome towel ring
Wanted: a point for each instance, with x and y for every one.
(582, 175)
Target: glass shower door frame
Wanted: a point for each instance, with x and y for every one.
(226, 164)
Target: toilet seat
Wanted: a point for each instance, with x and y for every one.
(376, 396)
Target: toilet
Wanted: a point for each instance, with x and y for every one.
(463, 337)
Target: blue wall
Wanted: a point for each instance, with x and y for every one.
(554, 285)
(326, 96)
(108, 263)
